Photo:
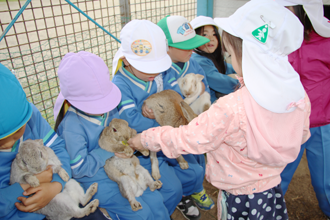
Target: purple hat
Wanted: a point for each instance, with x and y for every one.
(85, 83)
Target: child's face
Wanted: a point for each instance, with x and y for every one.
(209, 33)
(179, 55)
(141, 75)
(234, 62)
(9, 142)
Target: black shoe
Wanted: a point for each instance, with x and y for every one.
(188, 208)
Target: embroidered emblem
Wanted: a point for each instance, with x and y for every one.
(141, 47)
(261, 33)
(185, 29)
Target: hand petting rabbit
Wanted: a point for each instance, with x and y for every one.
(33, 158)
(132, 178)
(191, 88)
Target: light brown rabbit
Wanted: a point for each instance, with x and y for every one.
(132, 178)
(169, 109)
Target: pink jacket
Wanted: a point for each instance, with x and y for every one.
(312, 62)
(247, 146)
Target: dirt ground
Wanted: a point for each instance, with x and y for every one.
(300, 198)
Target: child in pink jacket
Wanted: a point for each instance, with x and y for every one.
(251, 134)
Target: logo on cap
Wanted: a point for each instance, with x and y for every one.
(185, 29)
(261, 33)
(141, 47)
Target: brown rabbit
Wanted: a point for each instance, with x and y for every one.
(169, 109)
(132, 178)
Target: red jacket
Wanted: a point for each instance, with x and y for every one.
(312, 62)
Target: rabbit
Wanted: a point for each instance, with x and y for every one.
(132, 178)
(169, 109)
(32, 158)
(191, 88)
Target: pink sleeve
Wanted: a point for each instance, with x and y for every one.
(203, 134)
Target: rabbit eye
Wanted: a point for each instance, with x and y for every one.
(24, 162)
(114, 129)
(41, 154)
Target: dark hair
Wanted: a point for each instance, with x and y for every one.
(326, 11)
(59, 118)
(217, 56)
(303, 17)
(236, 44)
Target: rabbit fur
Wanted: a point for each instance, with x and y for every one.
(169, 109)
(191, 88)
(32, 158)
(132, 178)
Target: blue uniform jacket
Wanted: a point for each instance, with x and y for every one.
(218, 82)
(81, 134)
(36, 128)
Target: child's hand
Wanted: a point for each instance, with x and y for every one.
(147, 112)
(45, 176)
(135, 143)
(42, 196)
(203, 88)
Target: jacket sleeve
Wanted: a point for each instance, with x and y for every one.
(129, 111)
(83, 162)
(52, 140)
(218, 81)
(170, 81)
(8, 197)
(203, 134)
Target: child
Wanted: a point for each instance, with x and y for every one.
(88, 100)
(250, 135)
(19, 121)
(312, 62)
(182, 39)
(209, 57)
(137, 79)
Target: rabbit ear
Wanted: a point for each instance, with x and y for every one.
(188, 113)
(133, 132)
(40, 141)
(199, 77)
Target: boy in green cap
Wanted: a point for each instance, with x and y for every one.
(182, 39)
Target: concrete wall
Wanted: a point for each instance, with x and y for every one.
(224, 8)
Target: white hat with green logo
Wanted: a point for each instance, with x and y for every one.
(270, 33)
(180, 34)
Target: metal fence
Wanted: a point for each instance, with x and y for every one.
(48, 29)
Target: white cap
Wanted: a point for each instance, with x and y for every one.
(270, 33)
(202, 21)
(144, 46)
(315, 13)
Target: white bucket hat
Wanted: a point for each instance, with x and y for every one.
(315, 13)
(144, 46)
(270, 33)
(202, 21)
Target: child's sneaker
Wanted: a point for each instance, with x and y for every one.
(202, 200)
(188, 209)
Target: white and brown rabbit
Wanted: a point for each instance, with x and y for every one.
(169, 109)
(191, 88)
(132, 178)
(33, 158)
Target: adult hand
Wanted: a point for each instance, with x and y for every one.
(45, 176)
(43, 194)
(147, 112)
(135, 143)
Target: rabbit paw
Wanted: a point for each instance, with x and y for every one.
(136, 205)
(128, 151)
(91, 207)
(155, 174)
(156, 185)
(64, 175)
(93, 189)
(32, 180)
(184, 165)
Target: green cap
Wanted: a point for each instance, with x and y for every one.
(180, 34)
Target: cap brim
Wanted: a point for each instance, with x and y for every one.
(100, 106)
(153, 67)
(223, 23)
(22, 123)
(190, 44)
